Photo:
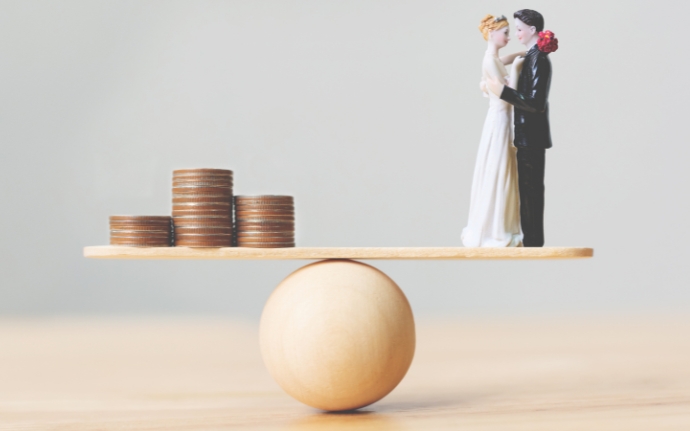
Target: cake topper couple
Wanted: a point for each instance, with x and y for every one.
(507, 200)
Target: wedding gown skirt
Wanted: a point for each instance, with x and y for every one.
(494, 219)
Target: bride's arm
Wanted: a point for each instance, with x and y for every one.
(508, 59)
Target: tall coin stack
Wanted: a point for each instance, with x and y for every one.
(265, 221)
(202, 207)
(141, 231)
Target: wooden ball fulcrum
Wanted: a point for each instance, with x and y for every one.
(337, 335)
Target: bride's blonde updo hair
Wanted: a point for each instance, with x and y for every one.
(491, 23)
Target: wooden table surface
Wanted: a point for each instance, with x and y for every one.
(603, 373)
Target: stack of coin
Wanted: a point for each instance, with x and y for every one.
(141, 231)
(202, 207)
(265, 221)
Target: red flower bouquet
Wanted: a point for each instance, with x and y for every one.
(547, 42)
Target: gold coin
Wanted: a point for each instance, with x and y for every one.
(201, 171)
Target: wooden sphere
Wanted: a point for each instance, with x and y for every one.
(337, 335)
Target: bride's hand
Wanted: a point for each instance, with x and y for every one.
(494, 85)
(518, 61)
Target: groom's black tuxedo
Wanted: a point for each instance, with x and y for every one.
(531, 101)
(532, 138)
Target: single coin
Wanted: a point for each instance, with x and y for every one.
(178, 185)
(216, 223)
(201, 235)
(142, 227)
(205, 207)
(193, 175)
(184, 230)
(287, 231)
(264, 199)
(261, 213)
(191, 219)
(193, 197)
(275, 197)
(190, 189)
(193, 180)
(265, 233)
(265, 245)
(226, 243)
(222, 219)
(240, 221)
(241, 207)
(140, 243)
(263, 219)
(202, 171)
(134, 234)
(200, 213)
(218, 203)
(260, 204)
(212, 210)
(265, 239)
(268, 216)
(178, 201)
(216, 226)
(205, 185)
(186, 191)
(264, 226)
(142, 238)
(122, 240)
(203, 239)
(241, 240)
(203, 228)
(282, 239)
(264, 212)
(158, 225)
(220, 223)
(202, 177)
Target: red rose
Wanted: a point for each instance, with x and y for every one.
(547, 42)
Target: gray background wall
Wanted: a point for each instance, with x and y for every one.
(368, 112)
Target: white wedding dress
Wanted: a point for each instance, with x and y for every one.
(494, 219)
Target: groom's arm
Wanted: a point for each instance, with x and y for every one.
(535, 100)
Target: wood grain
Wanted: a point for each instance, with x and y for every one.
(400, 253)
(609, 373)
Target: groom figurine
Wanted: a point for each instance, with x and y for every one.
(532, 132)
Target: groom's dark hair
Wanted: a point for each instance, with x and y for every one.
(531, 18)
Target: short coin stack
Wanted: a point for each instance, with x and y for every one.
(141, 231)
(202, 207)
(265, 221)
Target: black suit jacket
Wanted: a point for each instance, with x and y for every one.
(531, 101)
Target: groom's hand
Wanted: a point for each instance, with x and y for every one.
(494, 85)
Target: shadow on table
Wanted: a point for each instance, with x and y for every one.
(382, 415)
(358, 419)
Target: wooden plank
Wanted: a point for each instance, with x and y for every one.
(141, 374)
(398, 253)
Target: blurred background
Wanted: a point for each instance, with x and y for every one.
(369, 113)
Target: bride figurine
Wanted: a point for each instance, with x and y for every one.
(494, 219)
